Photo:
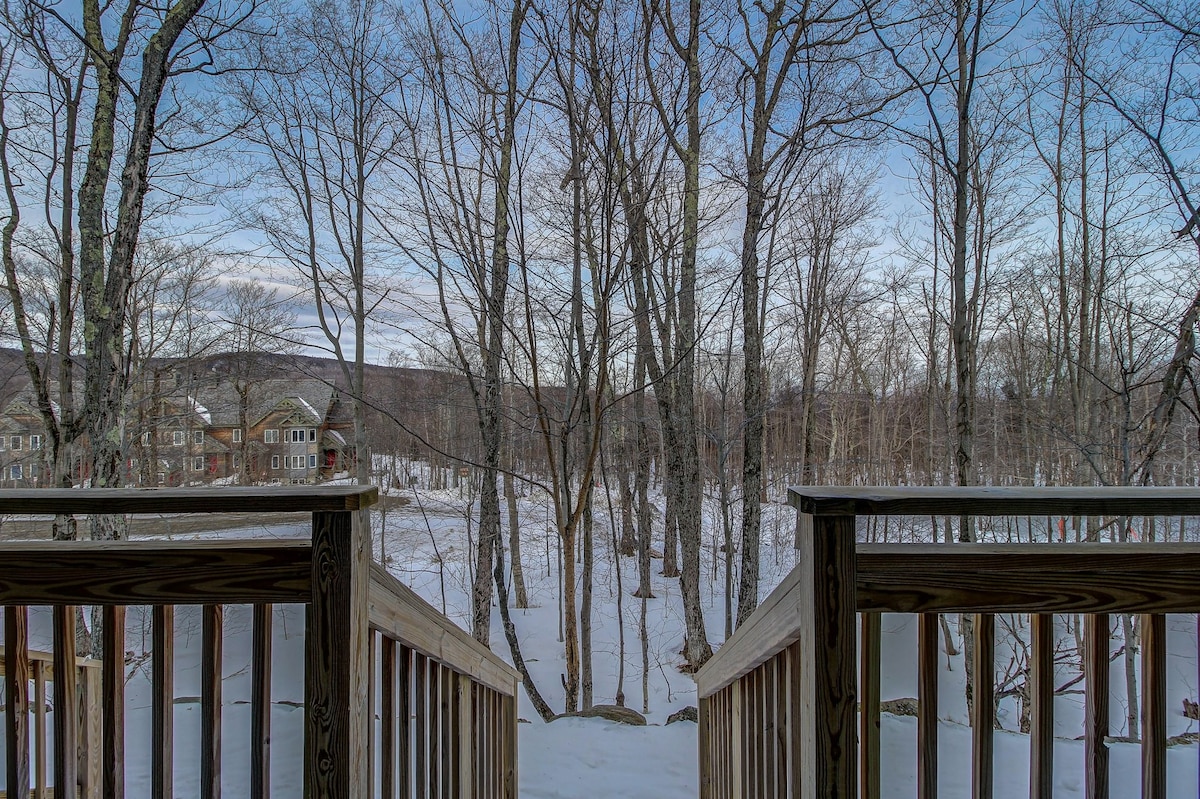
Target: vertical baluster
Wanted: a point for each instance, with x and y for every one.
(387, 714)
(39, 729)
(1154, 706)
(1096, 633)
(162, 669)
(982, 708)
(737, 765)
(870, 653)
(446, 725)
(421, 767)
(927, 706)
(260, 703)
(768, 727)
(1041, 732)
(509, 705)
(372, 697)
(757, 731)
(465, 741)
(404, 739)
(66, 716)
(210, 700)
(705, 746)
(113, 714)
(16, 691)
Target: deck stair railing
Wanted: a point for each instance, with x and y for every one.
(778, 702)
(398, 701)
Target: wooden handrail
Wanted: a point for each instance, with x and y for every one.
(354, 611)
(995, 501)
(803, 635)
(397, 612)
(228, 499)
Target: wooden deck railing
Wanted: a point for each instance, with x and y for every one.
(778, 701)
(398, 701)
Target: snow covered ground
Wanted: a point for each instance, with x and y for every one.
(426, 545)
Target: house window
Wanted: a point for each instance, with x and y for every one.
(312, 461)
(237, 436)
(146, 439)
(35, 442)
(15, 471)
(296, 435)
(198, 463)
(274, 461)
(295, 461)
(14, 443)
(237, 460)
(197, 436)
(312, 434)
(270, 436)
(178, 438)
(3, 441)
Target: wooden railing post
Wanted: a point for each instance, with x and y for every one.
(335, 679)
(828, 762)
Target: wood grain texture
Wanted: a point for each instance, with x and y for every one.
(828, 766)
(211, 655)
(1096, 644)
(260, 703)
(387, 717)
(336, 662)
(154, 572)
(985, 501)
(39, 728)
(870, 652)
(16, 692)
(1154, 706)
(404, 711)
(397, 611)
(1041, 695)
(1029, 578)
(113, 702)
(162, 675)
(91, 745)
(227, 499)
(927, 706)
(421, 724)
(704, 753)
(508, 716)
(983, 716)
(66, 719)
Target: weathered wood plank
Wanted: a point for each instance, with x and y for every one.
(404, 738)
(39, 729)
(162, 667)
(704, 748)
(870, 652)
(464, 744)
(927, 706)
(1154, 706)
(387, 717)
(335, 681)
(1041, 731)
(983, 716)
(211, 651)
(154, 572)
(992, 501)
(260, 703)
(508, 705)
(113, 702)
(66, 716)
(828, 765)
(397, 611)
(421, 768)
(773, 626)
(1096, 644)
(1029, 578)
(16, 692)
(227, 499)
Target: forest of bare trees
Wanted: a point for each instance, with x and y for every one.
(706, 249)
